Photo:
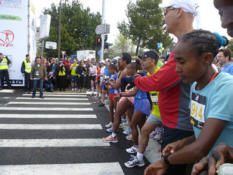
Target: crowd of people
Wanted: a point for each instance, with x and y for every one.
(184, 103)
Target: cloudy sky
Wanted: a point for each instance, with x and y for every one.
(115, 12)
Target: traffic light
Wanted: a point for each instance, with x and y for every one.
(107, 45)
(98, 42)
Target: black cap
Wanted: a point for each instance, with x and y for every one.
(151, 54)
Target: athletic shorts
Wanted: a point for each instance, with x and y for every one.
(92, 78)
(74, 79)
(111, 96)
(154, 119)
(131, 99)
(142, 105)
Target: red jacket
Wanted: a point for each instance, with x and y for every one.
(173, 95)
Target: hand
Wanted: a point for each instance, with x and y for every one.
(200, 166)
(45, 78)
(23, 74)
(172, 147)
(157, 168)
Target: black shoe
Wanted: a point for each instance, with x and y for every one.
(101, 104)
(41, 96)
(33, 96)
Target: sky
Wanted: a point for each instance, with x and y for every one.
(115, 12)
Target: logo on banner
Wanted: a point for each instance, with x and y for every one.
(6, 38)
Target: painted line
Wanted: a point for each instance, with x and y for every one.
(47, 103)
(48, 98)
(58, 116)
(59, 95)
(43, 109)
(113, 168)
(41, 143)
(50, 126)
(6, 98)
(7, 91)
(71, 93)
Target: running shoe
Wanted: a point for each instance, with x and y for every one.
(111, 139)
(109, 130)
(127, 132)
(133, 162)
(158, 135)
(133, 149)
(129, 137)
(108, 125)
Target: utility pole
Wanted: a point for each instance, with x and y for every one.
(59, 33)
(102, 35)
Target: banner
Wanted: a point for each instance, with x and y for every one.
(15, 36)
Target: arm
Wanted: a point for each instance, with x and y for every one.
(117, 84)
(23, 68)
(8, 61)
(202, 145)
(130, 93)
(165, 78)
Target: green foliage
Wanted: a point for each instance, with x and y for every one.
(145, 25)
(77, 28)
(230, 46)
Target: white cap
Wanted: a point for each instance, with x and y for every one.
(189, 6)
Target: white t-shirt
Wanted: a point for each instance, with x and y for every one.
(93, 71)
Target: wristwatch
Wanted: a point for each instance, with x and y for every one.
(165, 158)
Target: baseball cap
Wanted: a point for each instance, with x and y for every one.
(189, 6)
(151, 54)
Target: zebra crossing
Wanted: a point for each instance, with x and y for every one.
(57, 135)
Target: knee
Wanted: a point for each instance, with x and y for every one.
(145, 131)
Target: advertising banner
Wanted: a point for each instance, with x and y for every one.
(15, 36)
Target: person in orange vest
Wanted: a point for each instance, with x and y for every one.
(4, 75)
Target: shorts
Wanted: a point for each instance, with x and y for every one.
(103, 87)
(130, 99)
(111, 96)
(92, 78)
(154, 119)
(142, 105)
(74, 79)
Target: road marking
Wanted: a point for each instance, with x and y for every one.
(59, 95)
(50, 126)
(43, 109)
(7, 91)
(48, 103)
(47, 116)
(48, 98)
(113, 168)
(6, 98)
(42, 143)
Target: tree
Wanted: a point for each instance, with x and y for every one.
(230, 45)
(145, 25)
(77, 27)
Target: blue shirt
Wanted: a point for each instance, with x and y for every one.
(106, 73)
(228, 68)
(140, 95)
(214, 101)
(112, 90)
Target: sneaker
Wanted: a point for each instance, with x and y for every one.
(132, 150)
(129, 137)
(158, 135)
(101, 104)
(127, 132)
(41, 96)
(153, 133)
(133, 161)
(109, 130)
(108, 125)
(111, 139)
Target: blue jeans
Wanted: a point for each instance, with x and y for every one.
(35, 86)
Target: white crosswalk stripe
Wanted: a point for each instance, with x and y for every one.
(55, 129)
(7, 91)
(46, 103)
(57, 116)
(63, 169)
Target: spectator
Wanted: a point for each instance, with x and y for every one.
(26, 69)
(4, 75)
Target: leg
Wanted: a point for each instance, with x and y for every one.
(111, 110)
(7, 79)
(1, 79)
(41, 87)
(138, 118)
(34, 88)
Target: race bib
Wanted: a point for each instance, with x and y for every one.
(37, 73)
(198, 104)
(106, 77)
(154, 98)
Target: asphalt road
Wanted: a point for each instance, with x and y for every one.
(54, 141)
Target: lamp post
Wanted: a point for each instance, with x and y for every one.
(59, 33)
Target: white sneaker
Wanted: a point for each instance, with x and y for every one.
(133, 161)
(109, 130)
(132, 150)
(158, 135)
(108, 125)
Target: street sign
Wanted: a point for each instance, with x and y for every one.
(50, 45)
(102, 29)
